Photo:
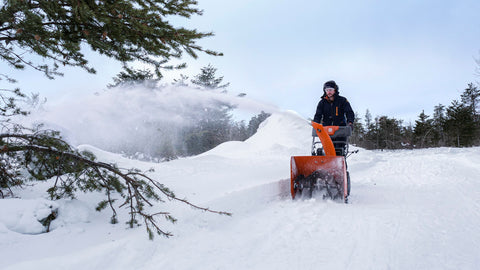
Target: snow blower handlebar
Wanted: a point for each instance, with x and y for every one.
(338, 135)
(333, 131)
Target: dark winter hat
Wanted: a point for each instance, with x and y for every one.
(331, 84)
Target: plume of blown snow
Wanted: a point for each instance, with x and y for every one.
(136, 118)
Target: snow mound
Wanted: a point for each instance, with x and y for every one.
(26, 216)
(283, 133)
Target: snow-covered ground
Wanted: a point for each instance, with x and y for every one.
(408, 209)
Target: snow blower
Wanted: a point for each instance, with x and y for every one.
(325, 172)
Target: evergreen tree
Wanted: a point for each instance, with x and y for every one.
(470, 97)
(207, 79)
(408, 136)
(126, 31)
(211, 127)
(131, 77)
(371, 132)
(212, 120)
(238, 131)
(438, 125)
(389, 133)
(368, 118)
(423, 130)
(358, 132)
(459, 125)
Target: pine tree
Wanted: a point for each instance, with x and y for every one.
(407, 136)
(212, 120)
(470, 97)
(358, 134)
(238, 131)
(439, 124)
(207, 79)
(389, 133)
(126, 31)
(368, 118)
(131, 77)
(371, 132)
(423, 130)
(211, 127)
(459, 125)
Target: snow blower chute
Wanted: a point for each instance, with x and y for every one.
(325, 172)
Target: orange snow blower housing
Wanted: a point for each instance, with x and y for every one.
(324, 172)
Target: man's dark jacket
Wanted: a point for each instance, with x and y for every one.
(333, 113)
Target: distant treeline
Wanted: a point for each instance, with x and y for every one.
(457, 125)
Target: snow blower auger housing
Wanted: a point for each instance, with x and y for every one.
(325, 172)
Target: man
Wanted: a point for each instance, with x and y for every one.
(333, 109)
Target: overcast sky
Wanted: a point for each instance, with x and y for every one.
(394, 58)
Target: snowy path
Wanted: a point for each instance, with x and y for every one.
(415, 209)
(409, 210)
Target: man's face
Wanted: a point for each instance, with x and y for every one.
(330, 92)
